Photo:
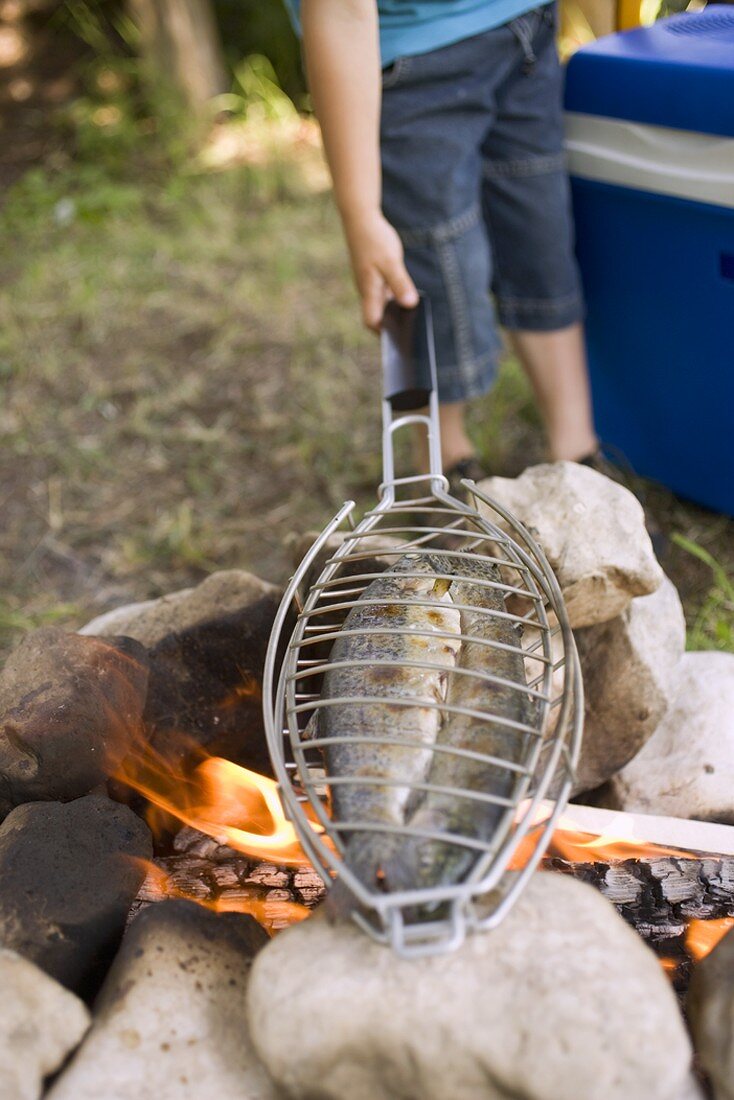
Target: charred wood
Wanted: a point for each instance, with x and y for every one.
(659, 896)
(219, 877)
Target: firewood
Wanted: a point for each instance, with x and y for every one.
(659, 896)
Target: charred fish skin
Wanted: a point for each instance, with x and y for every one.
(369, 668)
(422, 862)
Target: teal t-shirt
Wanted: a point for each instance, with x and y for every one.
(417, 26)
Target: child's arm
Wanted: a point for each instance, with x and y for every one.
(343, 59)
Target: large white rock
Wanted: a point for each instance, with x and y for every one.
(692, 1090)
(561, 1001)
(170, 1023)
(630, 668)
(592, 531)
(686, 769)
(40, 1023)
(221, 593)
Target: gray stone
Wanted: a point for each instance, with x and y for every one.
(221, 593)
(68, 875)
(300, 545)
(592, 531)
(711, 1014)
(40, 1023)
(170, 1023)
(205, 688)
(562, 1000)
(686, 769)
(630, 669)
(70, 710)
(692, 1090)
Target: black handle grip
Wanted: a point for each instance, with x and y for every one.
(408, 361)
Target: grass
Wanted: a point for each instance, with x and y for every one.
(712, 626)
(185, 381)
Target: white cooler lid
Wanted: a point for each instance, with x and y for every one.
(651, 158)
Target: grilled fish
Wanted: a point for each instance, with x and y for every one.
(372, 663)
(421, 862)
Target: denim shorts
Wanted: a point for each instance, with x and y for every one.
(474, 181)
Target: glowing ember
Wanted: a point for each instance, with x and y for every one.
(272, 913)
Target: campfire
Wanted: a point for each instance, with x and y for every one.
(670, 894)
(135, 794)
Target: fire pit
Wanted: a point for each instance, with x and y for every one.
(150, 720)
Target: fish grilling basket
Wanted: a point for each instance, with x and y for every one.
(422, 693)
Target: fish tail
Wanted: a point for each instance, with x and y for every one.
(366, 856)
(402, 868)
(340, 902)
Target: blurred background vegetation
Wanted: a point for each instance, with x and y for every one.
(184, 381)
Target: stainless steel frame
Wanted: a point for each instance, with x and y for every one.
(418, 515)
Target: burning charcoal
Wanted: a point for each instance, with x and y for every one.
(205, 688)
(630, 668)
(67, 880)
(225, 592)
(711, 1014)
(70, 708)
(267, 874)
(675, 903)
(308, 886)
(227, 882)
(194, 843)
(592, 531)
(686, 769)
(224, 876)
(40, 1024)
(561, 1000)
(170, 1022)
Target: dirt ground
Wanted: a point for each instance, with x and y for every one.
(184, 383)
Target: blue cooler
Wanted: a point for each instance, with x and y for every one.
(650, 139)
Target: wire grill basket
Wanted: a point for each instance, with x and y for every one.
(415, 521)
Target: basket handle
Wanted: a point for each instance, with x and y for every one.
(407, 344)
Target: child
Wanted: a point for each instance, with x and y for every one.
(442, 126)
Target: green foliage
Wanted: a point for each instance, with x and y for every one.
(121, 126)
(119, 122)
(43, 201)
(257, 95)
(173, 542)
(713, 626)
(262, 27)
(102, 25)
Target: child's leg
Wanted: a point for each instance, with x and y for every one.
(556, 365)
(527, 210)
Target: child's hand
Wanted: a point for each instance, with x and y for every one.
(379, 269)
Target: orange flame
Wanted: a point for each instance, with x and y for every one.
(235, 806)
(575, 846)
(669, 965)
(702, 936)
(242, 809)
